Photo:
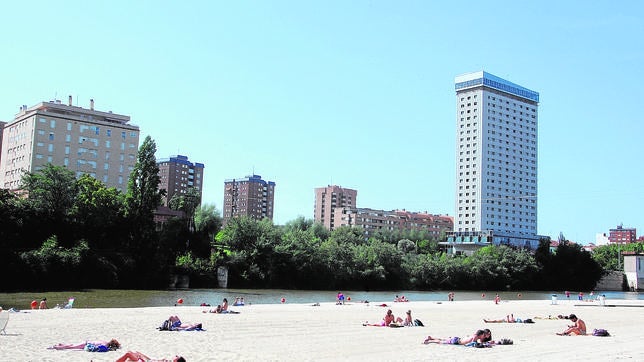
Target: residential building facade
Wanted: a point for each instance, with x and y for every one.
(178, 175)
(327, 199)
(249, 196)
(101, 144)
(622, 235)
(373, 221)
(496, 162)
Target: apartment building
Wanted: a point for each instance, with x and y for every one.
(622, 235)
(327, 199)
(248, 196)
(178, 175)
(373, 221)
(84, 140)
(496, 162)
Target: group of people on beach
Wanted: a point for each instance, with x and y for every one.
(173, 323)
(389, 320)
(113, 345)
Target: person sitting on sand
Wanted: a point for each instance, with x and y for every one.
(91, 346)
(578, 329)
(177, 325)
(480, 336)
(224, 306)
(408, 321)
(388, 320)
(43, 304)
(135, 356)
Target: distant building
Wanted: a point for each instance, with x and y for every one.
(601, 239)
(496, 163)
(328, 199)
(249, 196)
(622, 235)
(373, 221)
(101, 144)
(178, 175)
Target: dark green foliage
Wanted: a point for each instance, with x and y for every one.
(569, 267)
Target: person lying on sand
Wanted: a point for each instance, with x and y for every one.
(136, 356)
(480, 336)
(90, 346)
(508, 319)
(177, 325)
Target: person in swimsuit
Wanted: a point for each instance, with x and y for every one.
(177, 325)
(135, 356)
(480, 336)
(111, 345)
(577, 329)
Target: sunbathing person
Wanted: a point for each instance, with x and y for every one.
(508, 319)
(480, 336)
(176, 325)
(135, 356)
(91, 346)
(578, 329)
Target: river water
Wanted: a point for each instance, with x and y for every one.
(100, 298)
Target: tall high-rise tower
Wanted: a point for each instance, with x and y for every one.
(496, 161)
(327, 199)
(249, 196)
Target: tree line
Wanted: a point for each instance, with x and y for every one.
(65, 232)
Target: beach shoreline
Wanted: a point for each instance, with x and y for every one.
(289, 332)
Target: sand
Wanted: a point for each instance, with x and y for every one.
(329, 332)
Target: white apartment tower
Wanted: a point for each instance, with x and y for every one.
(496, 162)
(101, 144)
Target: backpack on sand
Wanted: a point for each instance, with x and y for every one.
(418, 323)
(601, 333)
(165, 326)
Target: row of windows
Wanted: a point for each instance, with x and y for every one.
(513, 104)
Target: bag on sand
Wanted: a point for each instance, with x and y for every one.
(418, 323)
(165, 326)
(601, 333)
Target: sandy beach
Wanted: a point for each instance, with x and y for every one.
(289, 332)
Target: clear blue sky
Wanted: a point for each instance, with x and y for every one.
(354, 93)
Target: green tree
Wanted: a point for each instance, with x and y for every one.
(570, 267)
(347, 235)
(99, 213)
(52, 191)
(142, 199)
(208, 222)
(251, 246)
(10, 219)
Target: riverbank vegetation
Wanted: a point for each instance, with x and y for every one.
(68, 233)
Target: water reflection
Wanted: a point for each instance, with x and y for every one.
(100, 298)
